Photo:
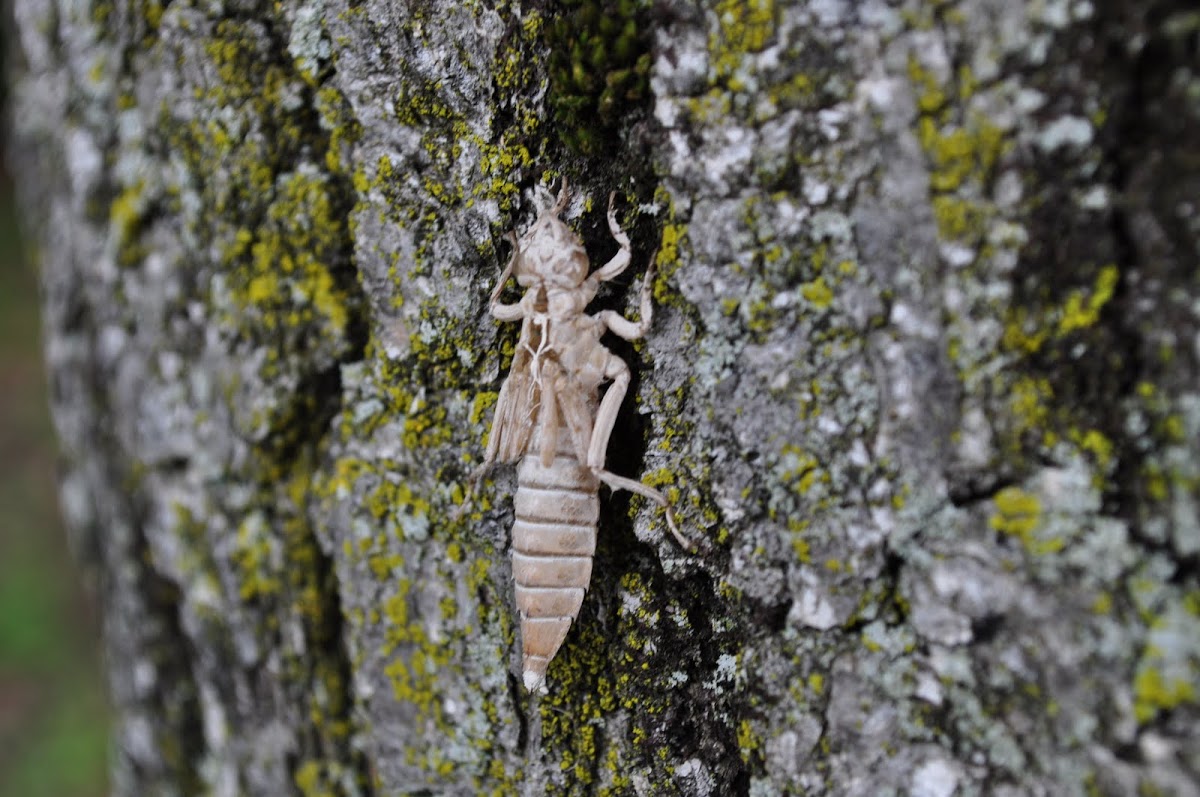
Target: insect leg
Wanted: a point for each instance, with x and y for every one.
(616, 482)
(621, 259)
(499, 310)
(606, 416)
(564, 196)
(632, 330)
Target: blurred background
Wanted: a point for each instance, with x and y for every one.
(53, 719)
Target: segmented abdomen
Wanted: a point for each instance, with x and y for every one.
(553, 539)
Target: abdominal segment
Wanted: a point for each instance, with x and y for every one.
(553, 539)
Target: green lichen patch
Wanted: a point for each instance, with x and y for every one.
(435, 631)
(616, 683)
(1059, 336)
(599, 69)
(282, 579)
(1018, 513)
(1046, 337)
(415, 659)
(1080, 311)
(743, 27)
(1168, 674)
(690, 470)
(344, 130)
(962, 148)
(282, 274)
(128, 214)
(257, 183)
(430, 635)
(326, 777)
(1153, 693)
(668, 257)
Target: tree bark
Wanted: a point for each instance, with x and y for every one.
(922, 383)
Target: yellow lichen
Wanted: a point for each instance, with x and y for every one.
(1154, 693)
(1017, 512)
(748, 741)
(1081, 310)
(818, 293)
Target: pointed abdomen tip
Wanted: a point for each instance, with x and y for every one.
(534, 682)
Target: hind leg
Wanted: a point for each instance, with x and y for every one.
(606, 416)
(616, 482)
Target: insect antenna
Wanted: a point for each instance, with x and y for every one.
(564, 196)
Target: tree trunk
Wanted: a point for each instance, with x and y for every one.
(922, 384)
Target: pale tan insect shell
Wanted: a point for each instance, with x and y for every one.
(550, 251)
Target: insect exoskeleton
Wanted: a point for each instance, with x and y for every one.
(553, 417)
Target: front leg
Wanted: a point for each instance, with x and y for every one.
(632, 330)
(499, 310)
(621, 259)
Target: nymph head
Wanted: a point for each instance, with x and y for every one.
(550, 252)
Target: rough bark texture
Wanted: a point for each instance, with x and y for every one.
(923, 382)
